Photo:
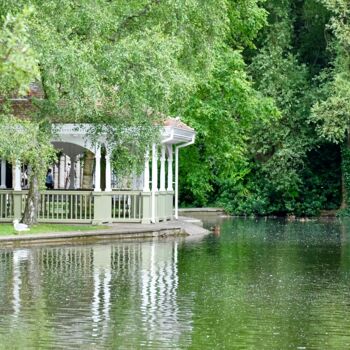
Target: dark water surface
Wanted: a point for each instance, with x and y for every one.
(253, 285)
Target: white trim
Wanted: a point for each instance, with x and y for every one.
(177, 174)
(176, 135)
(170, 138)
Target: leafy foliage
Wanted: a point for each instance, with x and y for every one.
(224, 111)
(31, 145)
(264, 83)
(284, 165)
(123, 64)
(18, 64)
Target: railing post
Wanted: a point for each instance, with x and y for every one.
(146, 207)
(17, 204)
(102, 208)
(3, 173)
(169, 205)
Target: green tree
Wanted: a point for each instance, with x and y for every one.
(279, 153)
(291, 52)
(18, 64)
(21, 140)
(117, 63)
(224, 110)
(331, 113)
(245, 157)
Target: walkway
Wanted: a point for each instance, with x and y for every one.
(182, 227)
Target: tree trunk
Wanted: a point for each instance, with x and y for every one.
(88, 170)
(30, 216)
(345, 172)
(344, 196)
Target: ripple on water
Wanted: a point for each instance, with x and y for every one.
(256, 285)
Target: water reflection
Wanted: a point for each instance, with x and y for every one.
(18, 256)
(159, 294)
(94, 295)
(258, 285)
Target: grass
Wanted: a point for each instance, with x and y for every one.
(7, 229)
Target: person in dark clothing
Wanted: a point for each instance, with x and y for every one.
(49, 180)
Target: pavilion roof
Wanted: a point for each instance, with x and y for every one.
(177, 123)
(23, 104)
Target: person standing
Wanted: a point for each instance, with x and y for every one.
(49, 180)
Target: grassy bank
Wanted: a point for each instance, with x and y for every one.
(7, 229)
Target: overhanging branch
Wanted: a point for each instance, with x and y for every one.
(125, 22)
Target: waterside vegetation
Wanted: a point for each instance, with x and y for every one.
(273, 120)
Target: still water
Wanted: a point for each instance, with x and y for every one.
(253, 285)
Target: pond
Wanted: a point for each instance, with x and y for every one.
(253, 284)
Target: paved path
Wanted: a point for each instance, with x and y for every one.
(183, 226)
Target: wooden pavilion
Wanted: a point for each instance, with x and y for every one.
(148, 198)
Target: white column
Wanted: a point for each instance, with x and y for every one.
(98, 169)
(62, 172)
(3, 173)
(72, 172)
(108, 172)
(162, 169)
(17, 178)
(146, 173)
(81, 171)
(55, 176)
(154, 168)
(77, 171)
(154, 182)
(176, 183)
(170, 168)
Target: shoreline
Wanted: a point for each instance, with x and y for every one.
(183, 227)
(220, 212)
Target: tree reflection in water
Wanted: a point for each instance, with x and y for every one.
(258, 285)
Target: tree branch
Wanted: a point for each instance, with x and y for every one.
(129, 19)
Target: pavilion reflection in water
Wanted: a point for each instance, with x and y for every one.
(91, 292)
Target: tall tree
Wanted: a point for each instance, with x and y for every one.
(224, 110)
(278, 73)
(283, 68)
(332, 113)
(121, 63)
(21, 140)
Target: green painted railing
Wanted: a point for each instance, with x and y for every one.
(67, 206)
(6, 205)
(64, 206)
(70, 206)
(126, 206)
